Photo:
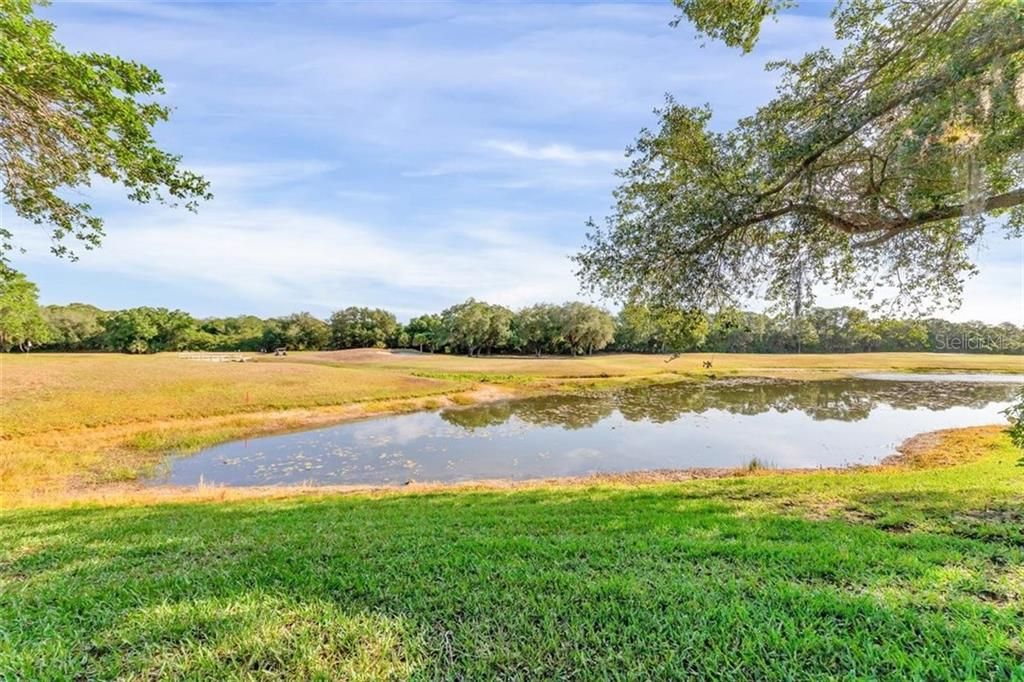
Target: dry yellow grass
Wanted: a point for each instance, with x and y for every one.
(630, 364)
(58, 392)
(71, 420)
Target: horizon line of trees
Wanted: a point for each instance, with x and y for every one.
(475, 327)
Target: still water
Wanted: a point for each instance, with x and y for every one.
(675, 426)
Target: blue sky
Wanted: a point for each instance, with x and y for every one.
(403, 154)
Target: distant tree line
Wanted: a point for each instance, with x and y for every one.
(475, 328)
(471, 328)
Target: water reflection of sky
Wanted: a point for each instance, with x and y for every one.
(719, 424)
(962, 377)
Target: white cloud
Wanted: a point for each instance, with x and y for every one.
(304, 259)
(559, 153)
(523, 167)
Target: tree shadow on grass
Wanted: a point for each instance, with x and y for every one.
(643, 583)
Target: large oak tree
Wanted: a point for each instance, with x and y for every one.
(878, 163)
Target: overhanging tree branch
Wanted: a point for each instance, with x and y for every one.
(917, 123)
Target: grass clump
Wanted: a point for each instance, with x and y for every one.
(758, 464)
(171, 440)
(478, 377)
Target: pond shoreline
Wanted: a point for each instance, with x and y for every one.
(283, 422)
(937, 449)
(124, 454)
(709, 426)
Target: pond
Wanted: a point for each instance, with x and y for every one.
(726, 423)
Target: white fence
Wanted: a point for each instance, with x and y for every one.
(213, 357)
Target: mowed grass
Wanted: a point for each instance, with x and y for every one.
(884, 574)
(69, 421)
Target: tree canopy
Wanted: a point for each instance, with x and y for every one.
(148, 330)
(474, 327)
(654, 329)
(356, 327)
(67, 119)
(425, 332)
(585, 328)
(538, 329)
(877, 163)
(299, 331)
(21, 323)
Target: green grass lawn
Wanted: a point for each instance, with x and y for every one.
(889, 573)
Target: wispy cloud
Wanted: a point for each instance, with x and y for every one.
(558, 153)
(301, 259)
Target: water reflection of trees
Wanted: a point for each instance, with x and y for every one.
(844, 400)
(571, 412)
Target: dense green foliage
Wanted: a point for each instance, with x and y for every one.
(67, 119)
(363, 328)
(143, 330)
(475, 327)
(1015, 414)
(878, 163)
(299, 331)
(585, 328)
(73, 327)
(21, 322)
(818, 330)
(654, 329)
(537, 326)
(244, 332)
(872, 575)
(424, 332)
